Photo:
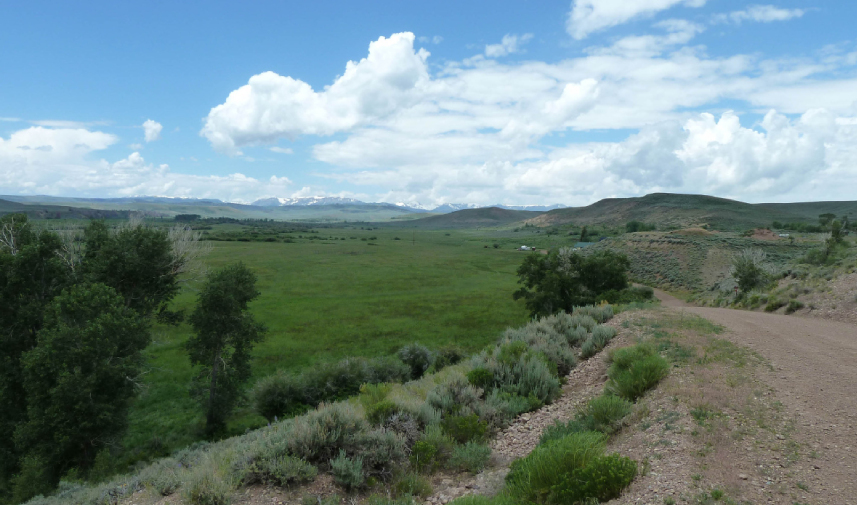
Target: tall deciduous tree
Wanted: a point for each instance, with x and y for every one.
(79, 380)
(136, 261)
(31, 275)
(563, 279)
(225, 335)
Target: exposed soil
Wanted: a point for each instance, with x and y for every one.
(764, 234)
(813, 373)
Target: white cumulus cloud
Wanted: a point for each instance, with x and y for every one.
(588, 16)
(510, 44)
(152, 130)
(46, 161)
(271, 106)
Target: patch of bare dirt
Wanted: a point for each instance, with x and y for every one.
(764, 234)
(699, 232)
(811, 383)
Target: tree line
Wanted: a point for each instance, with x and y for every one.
(76, 308)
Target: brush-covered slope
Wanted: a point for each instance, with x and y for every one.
(667, 209)
(474, 218)
(39, 211)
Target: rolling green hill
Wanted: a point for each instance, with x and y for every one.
(40, 211)
(473, 218)
(673, 210)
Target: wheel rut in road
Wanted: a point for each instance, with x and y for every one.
(814, 372)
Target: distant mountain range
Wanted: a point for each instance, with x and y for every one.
(414, 207)
(277, 208)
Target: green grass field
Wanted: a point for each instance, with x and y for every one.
(326, 299)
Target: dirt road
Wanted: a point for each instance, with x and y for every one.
(815, 377)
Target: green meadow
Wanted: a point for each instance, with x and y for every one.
(346, 292)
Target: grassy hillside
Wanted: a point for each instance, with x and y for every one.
(695, 260)
(680, 211)
(40, 211)
(473, 218)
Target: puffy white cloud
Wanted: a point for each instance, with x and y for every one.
(510, 44)
(811, 157)
(47, 161)
(271, 106)
(152, 130)
(759, 13)
(588, 16)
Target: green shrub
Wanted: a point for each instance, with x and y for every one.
(540, 339)
(405, 425)
(481, 378)
(635, 371)
(412, 484)
(560, 430)
(347, 472)
(598, 340)
(774, 304)
(381, 451)
(794, 305)
(447, 356)
(511, 405)
(632, 294)
(607, 412)
(583, 319)
(206, 487)
(417, 357)
(510, 352)
(280, 470)
(424, 456)
(603, 478)
(578, 336)
(432, 451)
(463, 429)
(319, 435)
(163, 476)
(529, 375)
(283, 394)
(571, 469)
(381, 411)
(471, 457)
(600, 313)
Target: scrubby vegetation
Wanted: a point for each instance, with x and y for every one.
(439, 420)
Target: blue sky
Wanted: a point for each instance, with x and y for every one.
(504, 102)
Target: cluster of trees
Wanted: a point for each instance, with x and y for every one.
(75, 313)
(635, 226)
(564, 279)
(827, 222)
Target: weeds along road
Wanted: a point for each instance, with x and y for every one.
(815, 376)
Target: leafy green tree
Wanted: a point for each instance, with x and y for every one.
(136, 261)
(31, 275)
(584, 234)
(79, 380)
(225, 335)
(563, 279)
(749, 269)
(826, 218)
